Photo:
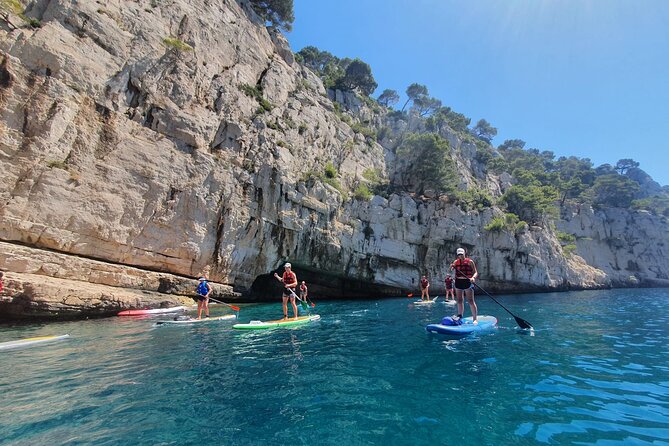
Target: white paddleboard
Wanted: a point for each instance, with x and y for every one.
(28, 342)
(204, 320)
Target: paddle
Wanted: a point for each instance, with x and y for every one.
(296, 297)
(234, 307)
(522, 323)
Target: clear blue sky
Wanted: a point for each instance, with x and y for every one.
(588, 78)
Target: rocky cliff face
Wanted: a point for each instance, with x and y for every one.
(178, 138)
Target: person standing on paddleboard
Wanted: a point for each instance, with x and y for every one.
(465, 276)
(289, 280)
(424, 288)
(203, 291)
(449, 287)
(304, 291)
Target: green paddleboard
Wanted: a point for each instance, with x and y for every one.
(290, 322)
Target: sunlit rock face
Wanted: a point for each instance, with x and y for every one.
(173, 139)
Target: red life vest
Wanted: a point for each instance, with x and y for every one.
(289, 277)
(424, 283)
(303, 288)
(448, 280)
(463, 268)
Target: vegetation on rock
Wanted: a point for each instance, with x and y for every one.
(278, 13)
(177, 44)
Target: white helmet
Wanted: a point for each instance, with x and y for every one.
(460, 251)
(287, 265)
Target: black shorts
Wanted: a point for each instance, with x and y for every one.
(286, 293)
(463, 284)
(200, 298)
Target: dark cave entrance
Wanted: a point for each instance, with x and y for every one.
(322, 285)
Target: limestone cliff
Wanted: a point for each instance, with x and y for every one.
(170, 139)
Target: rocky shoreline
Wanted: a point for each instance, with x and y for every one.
(42, 284)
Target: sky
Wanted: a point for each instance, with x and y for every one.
(584, 78)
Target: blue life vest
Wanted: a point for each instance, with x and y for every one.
(202, 288)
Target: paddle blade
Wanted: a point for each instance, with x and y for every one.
(410, 295)
(522, 323)
(313, 305)
(234, 307)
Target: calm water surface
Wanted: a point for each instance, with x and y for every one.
(594, 372)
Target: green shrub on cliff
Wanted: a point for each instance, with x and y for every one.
(57, 164)
(256, 93)
(330, 170)
(657, 204)
(509, 222)
(473, 198)
(362, 193)
(13, 6)
(495, 225)
(178, 44)
(565, 237)
(363, 130)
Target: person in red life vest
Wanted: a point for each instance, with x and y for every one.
(2, 285)
(449, 287)
(465, 276)
(289, 280)
(303, 291)
(424, 289)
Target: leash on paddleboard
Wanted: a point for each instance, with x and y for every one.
(522, 323)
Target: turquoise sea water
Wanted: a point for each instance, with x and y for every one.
(594, 372)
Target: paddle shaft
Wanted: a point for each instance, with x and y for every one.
(296, 297)
(234, 307)
(522, 323)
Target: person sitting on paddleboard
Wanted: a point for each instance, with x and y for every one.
(449, 287)
(465, 276)
(289, 280)
(203, 291)
(424, 289)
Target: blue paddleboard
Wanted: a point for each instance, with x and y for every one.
(485, 323)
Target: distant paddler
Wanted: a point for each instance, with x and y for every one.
(289, 281)
(202, 297)
(304, 291)
(424, 288)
